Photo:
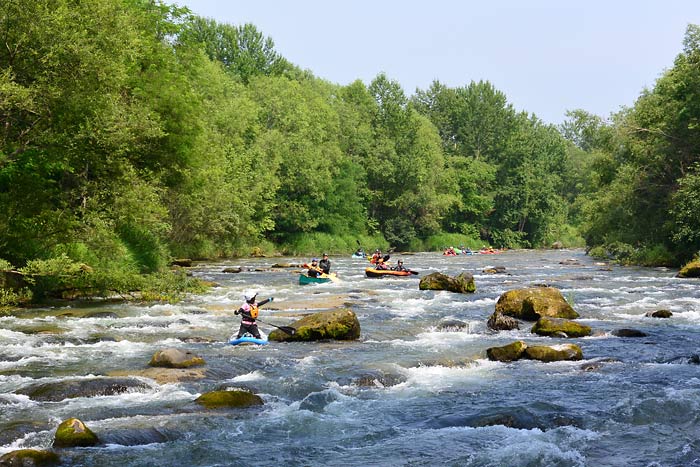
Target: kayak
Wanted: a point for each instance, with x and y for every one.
(248, 340)
(371, 272)
(354, 256)
(304, 279)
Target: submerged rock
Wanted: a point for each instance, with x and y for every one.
(452, 325)
(500, 322)
(175, 358)
(164, 375)
(336, 324)
(70, 389)
(626, 332)
(29, 458)
(659, 314)
(72, 433)
(379, 380)
(532, 303)
(229, 399)
(558, 327)
(462, 283)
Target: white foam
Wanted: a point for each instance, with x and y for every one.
(256, 375)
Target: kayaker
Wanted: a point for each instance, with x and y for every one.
(399, 266)
(249, 313)
(381, 265)
(375, 256)
(314, 270)
(325, 264)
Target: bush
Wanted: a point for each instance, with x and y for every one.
(656, 255)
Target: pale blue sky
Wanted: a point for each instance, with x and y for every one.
(547, 56)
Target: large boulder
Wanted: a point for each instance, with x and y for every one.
(175, 358)
(70, 389)
(462, 283)
(72, 433)
(692, 269)
(228, 399)
(500, 322)
(560, 327)
(554, 353)
(532, 303)
(339, 324)
(29, 458)
(507, 353)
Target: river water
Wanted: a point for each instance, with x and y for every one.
(407, 393)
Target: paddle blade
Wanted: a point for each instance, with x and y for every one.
(415, 273)
(288, 329)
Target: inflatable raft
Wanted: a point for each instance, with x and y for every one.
(248, 340)
(371, 272)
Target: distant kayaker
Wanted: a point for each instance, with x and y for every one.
(325, 264)
(314, 270)
(249, 313)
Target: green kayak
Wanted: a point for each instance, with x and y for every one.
(304, 279)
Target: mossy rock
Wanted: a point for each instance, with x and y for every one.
(555, 326)
(335, 324)
(228, 399)
(554, 353)
(507, 353)
(72, 433)
(532, 303)
(692, 269)
(29, 458)
(462, 283)
(175, 358)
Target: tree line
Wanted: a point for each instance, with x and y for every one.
(134, 131)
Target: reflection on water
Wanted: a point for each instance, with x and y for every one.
(407, 393)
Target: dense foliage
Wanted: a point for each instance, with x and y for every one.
(134, 132)
(639, 192)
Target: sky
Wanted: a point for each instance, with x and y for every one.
(546, 56)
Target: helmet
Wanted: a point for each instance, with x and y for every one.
(249, 295)
(400, 261)
(315, 260)
(325, 254)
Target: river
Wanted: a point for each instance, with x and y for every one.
(405, 394)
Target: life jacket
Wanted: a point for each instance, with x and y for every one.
(252, 310)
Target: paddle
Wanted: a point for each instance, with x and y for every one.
(288, 329)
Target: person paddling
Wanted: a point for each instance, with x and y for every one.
(399, 266)
(325, 264)
(314, 270)
(249, 313)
